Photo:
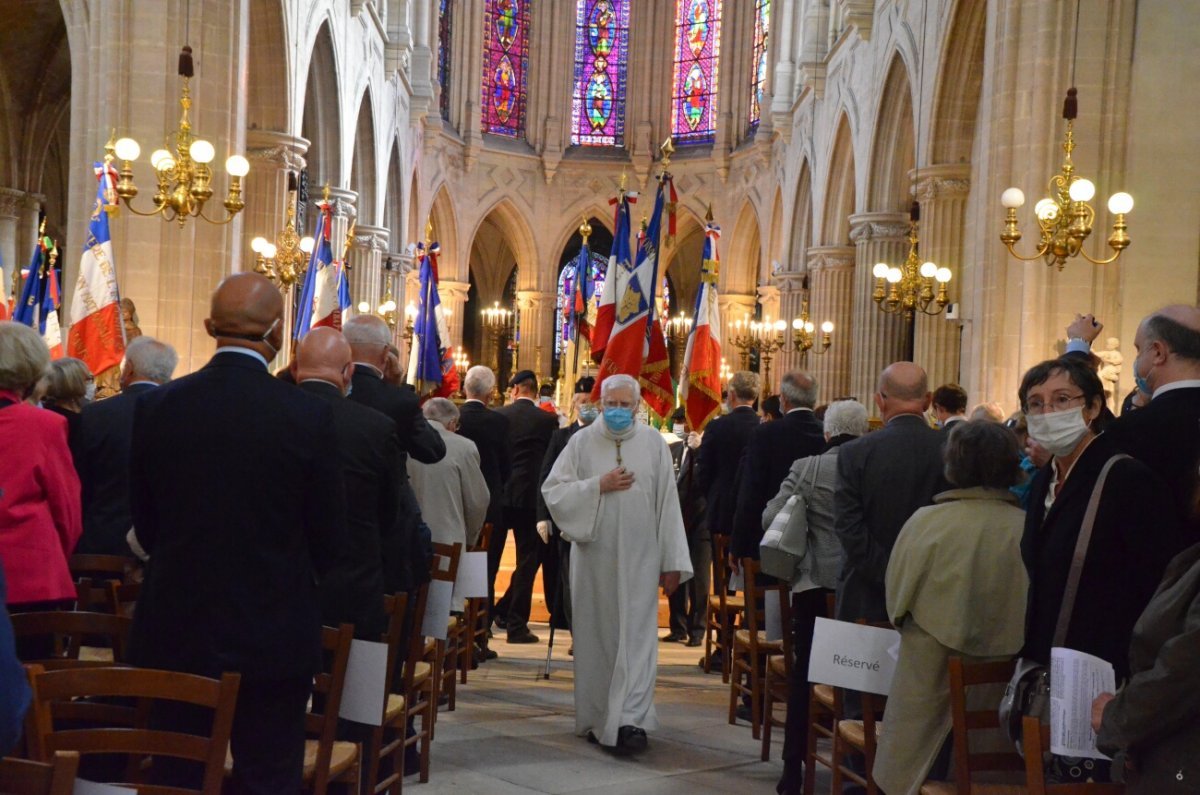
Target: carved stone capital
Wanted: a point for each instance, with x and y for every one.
(831, 258)
(371, 238)
(343, 200)
(532, 300)
(456, 292)
(276, 149)
(948, 180)
(767, 293)
(790, 281)
(11, 202)
(735, 306)
(878, 226)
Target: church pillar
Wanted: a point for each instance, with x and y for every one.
(366, 265)
(831, 282)
(454, 301)
(790, 285)
(272, 156)
(879, 338)
(10, 259)
(942, 191)
(27, 232)
(769, 298)
(536, 320)
(734, 307)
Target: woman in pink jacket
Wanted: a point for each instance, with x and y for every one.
(40, 515)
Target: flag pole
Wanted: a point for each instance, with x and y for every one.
(585, 231)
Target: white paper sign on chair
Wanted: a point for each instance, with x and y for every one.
(853, 656)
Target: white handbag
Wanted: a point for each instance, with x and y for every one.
(785, 542)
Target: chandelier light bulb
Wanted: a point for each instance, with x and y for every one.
(928, 270)
(827, 327)
(894, 275)
(1120, 203)
(363, 307)
(127, 149)
(780, 325)
(943, 275)
(269, 251)
(258, 244)
(880, 270)
(161, 160)
(410, 309)
(1046, 209)
(1012, 198)
(307, 244)
(237, 166)
(1082, 190)
(202, 151)
(797, 324)
(387, 306)
(808, 327)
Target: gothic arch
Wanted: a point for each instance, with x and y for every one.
(363, 173)
(892, 155)
(597, 213)
(739, 274)
(321, 121)
(510, 223)
(393, 201)
(445, 234)
(959, 84)
(682, 261)
(802, 220)
(776, 245)
(269, 89)
(414, 231)
(839, 192)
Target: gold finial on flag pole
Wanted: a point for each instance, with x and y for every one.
(667, 149)
(585, 230)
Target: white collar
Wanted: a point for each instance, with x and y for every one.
(474, 400)
(244, 352)
(321, 381)
(1185, 384)
(522, 397)
(799, 408)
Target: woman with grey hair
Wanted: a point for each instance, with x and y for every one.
(956, 587)
(813, 478)
(40, 517)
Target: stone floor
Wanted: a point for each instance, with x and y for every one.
(512, 732)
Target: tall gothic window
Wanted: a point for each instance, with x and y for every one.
(445, 9)
(697, 56)
(505, 62)
(601, 47)
(758, 74)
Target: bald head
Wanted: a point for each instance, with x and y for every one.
(324, 355)
(1168, 346)
(247, 311)
(903, 389)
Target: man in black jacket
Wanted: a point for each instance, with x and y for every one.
(721, 452)
(488, 429)
(102, 448)
(369, 456)
(529, 432)
(238, 499)
(406, 560)
(883, 478)
(769, 455)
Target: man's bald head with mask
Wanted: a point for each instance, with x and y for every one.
(247, 312)
(324, 355)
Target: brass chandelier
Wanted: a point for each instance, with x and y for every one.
(286, 260)
(184, 177)
(1065, 217)
(910, 288)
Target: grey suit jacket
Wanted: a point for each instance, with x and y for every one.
(883, 478)
(452, 492)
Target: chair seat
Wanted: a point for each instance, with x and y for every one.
(395, 707)
(731, 602)
(421, 672)
(344, 755)
(778, 666)
(852, 731)
(742, 636)
(823, 694)
(948, 788)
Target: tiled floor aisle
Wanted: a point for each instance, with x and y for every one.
(513, 733)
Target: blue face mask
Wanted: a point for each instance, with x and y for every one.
(588, 414)
(1142, 384)
(617, 418)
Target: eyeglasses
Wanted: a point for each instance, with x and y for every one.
(1060, 402)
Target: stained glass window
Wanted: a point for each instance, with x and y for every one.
(601, 46)
(758, 74)
(697, 56)
(505, 62)
(445, 10)
(563, 330)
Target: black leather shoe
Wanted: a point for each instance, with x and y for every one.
(483, 654)
(524, 637)
(631, 739)
(743, 712)
(673, 637)
(500, 622)
(695, 641)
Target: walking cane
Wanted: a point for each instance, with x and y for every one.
(555, 597)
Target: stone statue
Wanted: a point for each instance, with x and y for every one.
(108, 383)
(1110, 369)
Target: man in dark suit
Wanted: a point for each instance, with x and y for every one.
(1165, 435)
(769, 455)
(102, 448)
(406, 558)
(529, 432)
(369, 456)
(237, 497)
(949, 405)
(883, 478)
(721, 452)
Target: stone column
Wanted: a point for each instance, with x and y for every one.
(454, 301)
(790, 285)
(537, 331)
(831, 281)
(27, 232)
(10, 259)
(879, 338)
(734, 307)
(768, 298)
(366, 265)
(272, 156)
(942, 191)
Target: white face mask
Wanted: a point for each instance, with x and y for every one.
(678, 430)
(1059, 431)
(89, 393)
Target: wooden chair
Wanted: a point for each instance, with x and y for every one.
(89, 695)
(721, 611)
(104, 567)
(446, 652)
(750, 652)
(123, 597)
(1035, 742)
(326, 758)
(776, 683)
(966, 764)
(23, 777)
(473, 611)
(420, 690)
(824, 712)
(393, 726)
(91, 595)
(69, 628)
(858, 738)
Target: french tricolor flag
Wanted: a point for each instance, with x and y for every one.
(97, 333)
(700, 379)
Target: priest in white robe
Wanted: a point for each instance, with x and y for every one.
(612, 493)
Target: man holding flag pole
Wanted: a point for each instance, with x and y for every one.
(431, 368)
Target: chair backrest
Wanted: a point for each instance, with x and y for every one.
(756, 596)
(395, 606)
(1035, 741)
(964, 675)
(484, 540)
(720, 569)
(123, 597)
(322, 717)
(92, 594)
(104, 567)
(69, 628)
(416, 641)
(445, 562)
(24, 777)
(86, 691)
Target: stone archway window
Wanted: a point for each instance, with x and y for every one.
(505, 64)
(697, 58)
(758, 64)
(601, 49)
